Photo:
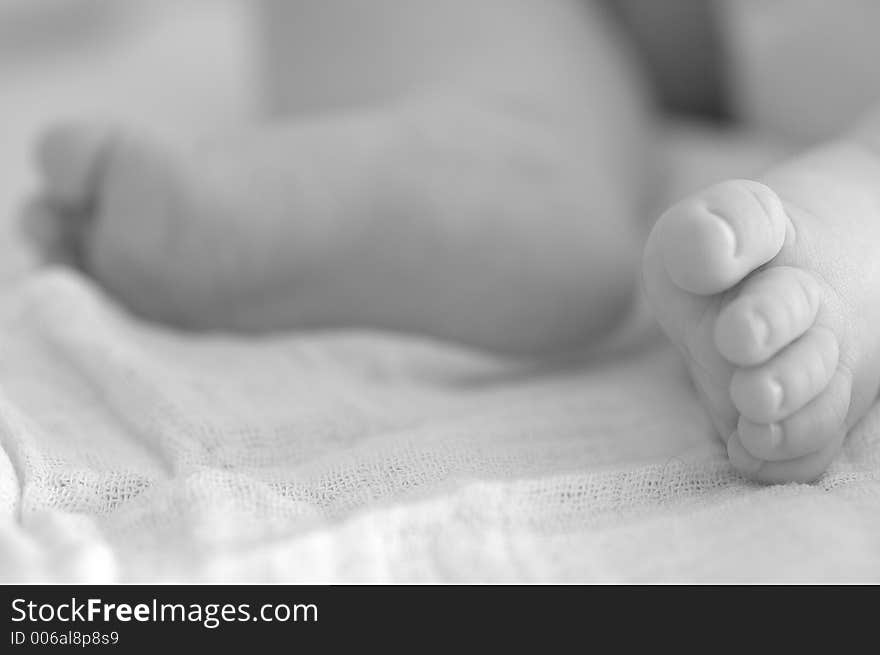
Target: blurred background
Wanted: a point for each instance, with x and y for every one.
(177, 65)
(795, 71)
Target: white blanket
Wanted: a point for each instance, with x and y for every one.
(132, 453)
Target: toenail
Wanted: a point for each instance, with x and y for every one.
(760, 329)
(777, 394)
(775, 436)
(729, 234)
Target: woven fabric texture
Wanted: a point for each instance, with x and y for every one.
(133, 453)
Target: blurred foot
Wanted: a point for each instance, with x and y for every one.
(489, 239)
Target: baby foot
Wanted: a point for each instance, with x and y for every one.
(128, 212)
(770, 290)
(367, 220)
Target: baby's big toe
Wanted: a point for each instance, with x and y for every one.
(70, 158)
(711, 241)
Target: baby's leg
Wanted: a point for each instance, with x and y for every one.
(771, 291)
(455, 218)
(499, 212)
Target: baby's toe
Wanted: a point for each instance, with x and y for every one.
(70, 157)
(54, 235)
(806, 431)
(711, 241)
(802, 469)
(773, 308)
(773, 391)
